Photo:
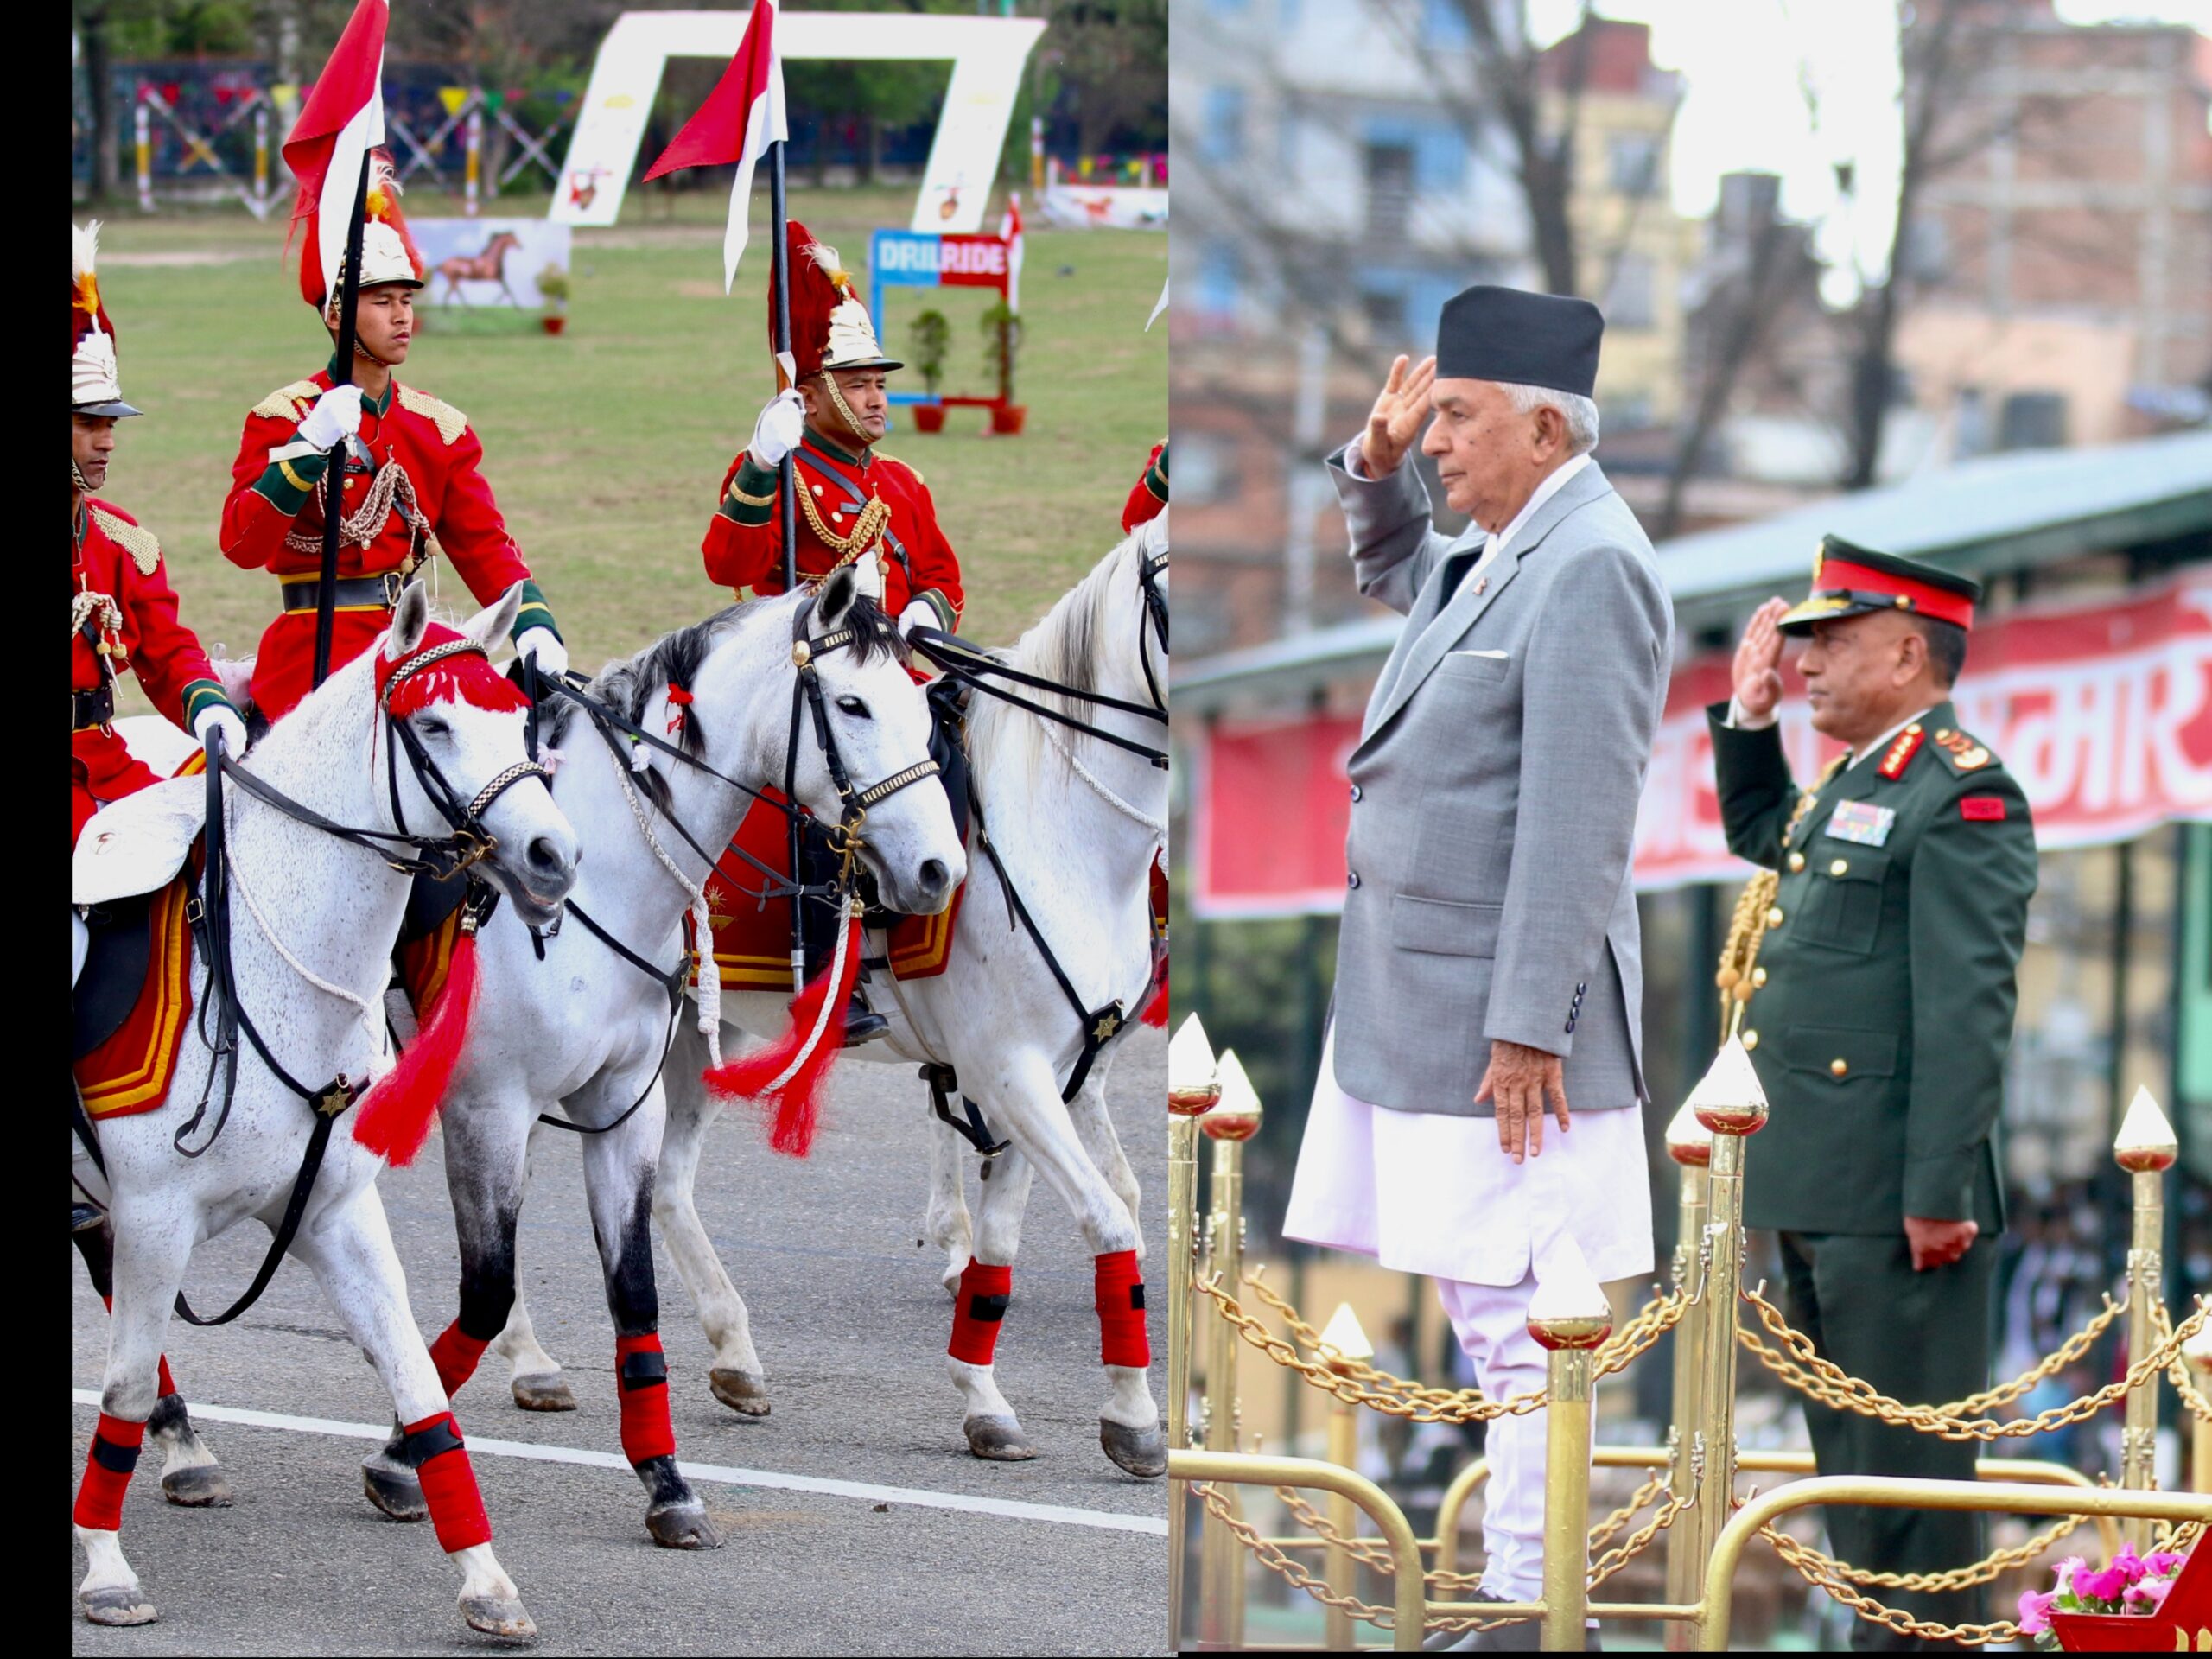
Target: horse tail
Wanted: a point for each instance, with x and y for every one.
(792, 1071)
(394, 1119)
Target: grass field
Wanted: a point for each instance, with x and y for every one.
(606, 446)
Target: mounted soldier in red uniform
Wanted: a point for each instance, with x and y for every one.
(122, 611)
(413, 472)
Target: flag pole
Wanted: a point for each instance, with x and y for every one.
(334, 499)
(787, 507)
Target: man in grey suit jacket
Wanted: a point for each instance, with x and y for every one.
(1488, 971)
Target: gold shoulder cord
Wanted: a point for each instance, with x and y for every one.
(1746, 929)
(865, 527)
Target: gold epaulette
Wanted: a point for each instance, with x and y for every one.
(449, 421)
(135, 539)
(288, 403)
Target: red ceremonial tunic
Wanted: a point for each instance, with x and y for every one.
(839, 494)
(273, 521)
(112, 557)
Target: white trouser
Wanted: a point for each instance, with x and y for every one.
(1491, 1324)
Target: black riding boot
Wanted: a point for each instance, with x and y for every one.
(819, 920)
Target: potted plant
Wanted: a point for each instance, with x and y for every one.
(2103, 1610)
(1001, 345)
(929, 337)
(553, 289)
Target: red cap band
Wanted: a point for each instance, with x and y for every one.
(1926, 599)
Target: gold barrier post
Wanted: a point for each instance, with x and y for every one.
(1193, 1086)
(2146, 1148)
(1569, 1319)
(1342, 1343)
(1731, 1104)
(2197, 1356)
(1234, 1120)
(1689, 1143)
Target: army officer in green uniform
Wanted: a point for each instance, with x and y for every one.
(1882, 1006)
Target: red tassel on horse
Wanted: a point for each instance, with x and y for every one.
(394, 1119)
(1155, 1012)
(804, 1071)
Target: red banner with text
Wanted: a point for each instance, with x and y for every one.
(2103, 713)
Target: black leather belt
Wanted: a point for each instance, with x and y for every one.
(353, 593)
(91, 708)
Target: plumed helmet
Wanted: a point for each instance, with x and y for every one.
(94, 388)
(388, 252)
(830, 327)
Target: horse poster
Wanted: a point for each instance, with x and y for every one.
(489, 264)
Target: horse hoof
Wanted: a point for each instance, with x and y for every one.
(500, 1615)
(548, 1391)
(998, 1439)
(198, 1487)
(743, 1392)
(396, 1491)
(116, 1604)
(1141, 1450)
(683, 1526)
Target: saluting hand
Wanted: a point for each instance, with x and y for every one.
(1522, 1080)
(1397, 416)
(1758, 663)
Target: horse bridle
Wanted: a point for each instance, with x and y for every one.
(1155, 605)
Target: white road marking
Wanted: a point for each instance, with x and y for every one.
(1056, 1514)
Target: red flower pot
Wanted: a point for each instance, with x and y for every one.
(555, 323)
(929, 417)
(1007, 419)
(2113, 1632)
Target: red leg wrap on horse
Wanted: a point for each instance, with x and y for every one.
(450, 1488)
(455, 1353)
(641, 1374)
(107, 1474)
(169, 1383)
(1121, 1339)
(978, 1311)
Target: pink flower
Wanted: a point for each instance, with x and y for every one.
(2066, 1572)
(2150, 1595)
(2100, 1586)
(2128, 1564)
(2164, 1563)
(2035, 1608)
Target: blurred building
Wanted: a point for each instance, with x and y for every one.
(2062, 247)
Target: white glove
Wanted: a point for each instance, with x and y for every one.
(336, 414)
(781, 427)
(221, 717)
(544, 644)
(918, 613)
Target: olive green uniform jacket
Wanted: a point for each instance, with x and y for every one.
(1884, 988)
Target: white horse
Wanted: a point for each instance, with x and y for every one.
(1076, 822)
(313, 921)
(583, 1030)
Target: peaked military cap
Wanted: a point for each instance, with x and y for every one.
(1516, 338)
(1852, 580)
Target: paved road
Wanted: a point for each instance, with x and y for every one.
(851, 1324)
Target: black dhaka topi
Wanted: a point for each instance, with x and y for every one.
(1520, 339)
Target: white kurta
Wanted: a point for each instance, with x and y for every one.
(1429, 1193)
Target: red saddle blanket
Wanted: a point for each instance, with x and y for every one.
(130, 1071)
(752, 937)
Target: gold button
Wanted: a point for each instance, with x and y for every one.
(1943, 735)
(1774, 916)
(1837, 1068)
(1750, 1040)
(1913, 730)
(1796, 861)
(1839, 867)
(1758, 976)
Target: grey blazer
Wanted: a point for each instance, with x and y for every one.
(1494, 798)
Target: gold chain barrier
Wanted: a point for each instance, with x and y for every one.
(1708, 1539)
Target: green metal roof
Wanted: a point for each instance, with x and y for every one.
(1999, 512)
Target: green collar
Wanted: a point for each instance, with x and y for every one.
(837, 452)
(380, 409)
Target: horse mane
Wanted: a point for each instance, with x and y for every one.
(629, 684)
(1062, 647)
